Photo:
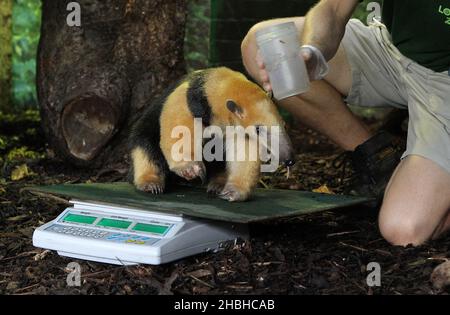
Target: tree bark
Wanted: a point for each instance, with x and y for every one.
(94, 80)
(5, 54)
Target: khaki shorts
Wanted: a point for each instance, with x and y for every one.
(382, 76)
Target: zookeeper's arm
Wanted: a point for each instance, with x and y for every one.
(325, 25)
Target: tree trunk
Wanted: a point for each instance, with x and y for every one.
(95, 80)
(5, 54)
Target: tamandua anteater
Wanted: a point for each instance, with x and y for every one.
(219, 97)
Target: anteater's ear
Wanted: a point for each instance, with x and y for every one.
(235, 109)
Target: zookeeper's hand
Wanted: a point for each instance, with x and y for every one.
(316, 64)
(263, 74)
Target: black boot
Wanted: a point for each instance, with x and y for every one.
(374, 163)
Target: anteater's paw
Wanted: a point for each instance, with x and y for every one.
(233, 194)
(215, 187)
(155, 188)
(191, 171)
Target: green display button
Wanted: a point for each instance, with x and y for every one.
(76, 218)
(118, 224)
(150, 228)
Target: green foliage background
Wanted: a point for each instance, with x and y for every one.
(26, 31)
(196, 44)
(5, 54)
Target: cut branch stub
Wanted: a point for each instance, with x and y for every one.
(95, 80)
(88, 123)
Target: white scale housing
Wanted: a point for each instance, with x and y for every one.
(125, 236)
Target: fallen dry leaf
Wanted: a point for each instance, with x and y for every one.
(323, 190)
(12, 286)
(41, 256)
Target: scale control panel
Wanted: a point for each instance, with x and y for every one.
(102, 235)
(119, 229)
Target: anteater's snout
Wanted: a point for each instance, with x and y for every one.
(289, 162)
(287, 155)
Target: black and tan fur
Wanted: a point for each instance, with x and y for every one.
(219, 96)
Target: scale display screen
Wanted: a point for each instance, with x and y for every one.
(112, 223)
(76, 218)
(150, 228)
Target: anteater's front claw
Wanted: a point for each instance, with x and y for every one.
(232, 194)
(191, 171)
(153, 188)
(214, 189)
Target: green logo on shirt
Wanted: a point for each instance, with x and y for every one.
(446, 12)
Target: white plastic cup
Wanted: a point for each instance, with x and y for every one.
(279, 47)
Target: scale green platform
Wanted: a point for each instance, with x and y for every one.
(116, 224)
(266, 204)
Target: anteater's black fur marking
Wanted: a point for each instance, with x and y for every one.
(196, 97)
(201, 108)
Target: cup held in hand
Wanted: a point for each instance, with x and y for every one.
(279, 46)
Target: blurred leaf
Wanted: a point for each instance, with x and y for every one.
(21, 154)
(21, 172)
(2, 143)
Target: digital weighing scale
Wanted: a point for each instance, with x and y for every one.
(127, 236)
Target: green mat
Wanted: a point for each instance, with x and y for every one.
(266, 204)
